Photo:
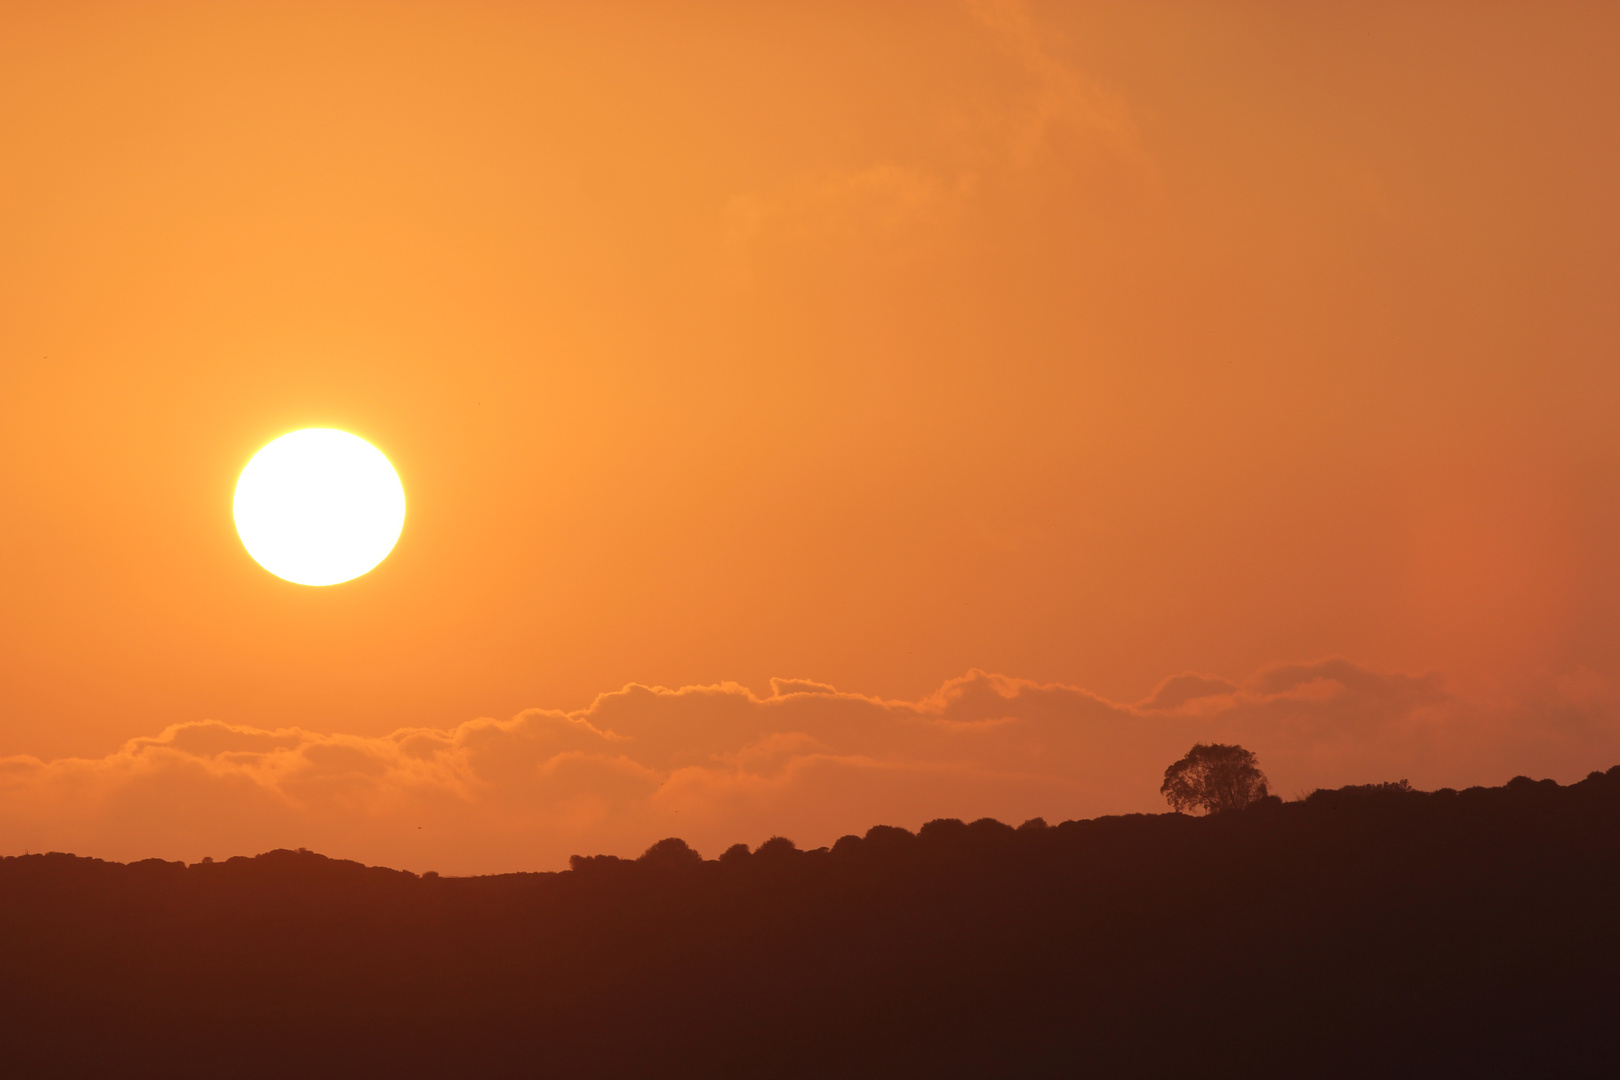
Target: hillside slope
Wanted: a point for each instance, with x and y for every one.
(1367, 931)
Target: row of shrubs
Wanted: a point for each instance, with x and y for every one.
(945, 833)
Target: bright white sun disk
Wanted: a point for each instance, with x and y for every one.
(319, 506)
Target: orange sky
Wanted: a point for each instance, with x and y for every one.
(864, 344)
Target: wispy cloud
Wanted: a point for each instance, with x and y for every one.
(1063, 104)
(1055, 118)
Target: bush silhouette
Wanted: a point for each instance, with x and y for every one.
(1214, 778)
(735, 854)
(777, 847)
(672, 853)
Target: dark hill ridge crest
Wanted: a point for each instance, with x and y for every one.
(1371, 930)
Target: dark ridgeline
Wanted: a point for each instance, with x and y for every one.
(1369, 931)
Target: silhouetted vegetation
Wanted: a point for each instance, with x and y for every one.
(1214, 778)
(1369, 931)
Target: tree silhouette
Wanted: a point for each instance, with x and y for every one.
(1214, 778)
(671, 854)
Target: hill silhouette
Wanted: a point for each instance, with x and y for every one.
(1368, 931)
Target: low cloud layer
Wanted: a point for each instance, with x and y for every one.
(720, 764)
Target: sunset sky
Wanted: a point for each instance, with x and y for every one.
(992, 363)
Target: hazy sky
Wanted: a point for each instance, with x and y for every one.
(867, 344)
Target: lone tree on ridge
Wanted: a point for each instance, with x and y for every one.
(1214, 778)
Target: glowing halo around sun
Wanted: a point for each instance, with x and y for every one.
(319, 506)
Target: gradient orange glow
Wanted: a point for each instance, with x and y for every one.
(865, 344)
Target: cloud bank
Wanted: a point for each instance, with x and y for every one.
(722, 764)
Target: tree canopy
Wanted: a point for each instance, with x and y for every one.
(1214, 778)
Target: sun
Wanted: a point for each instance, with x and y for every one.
(319, 506)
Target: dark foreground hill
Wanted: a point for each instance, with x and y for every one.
(1362, 932)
